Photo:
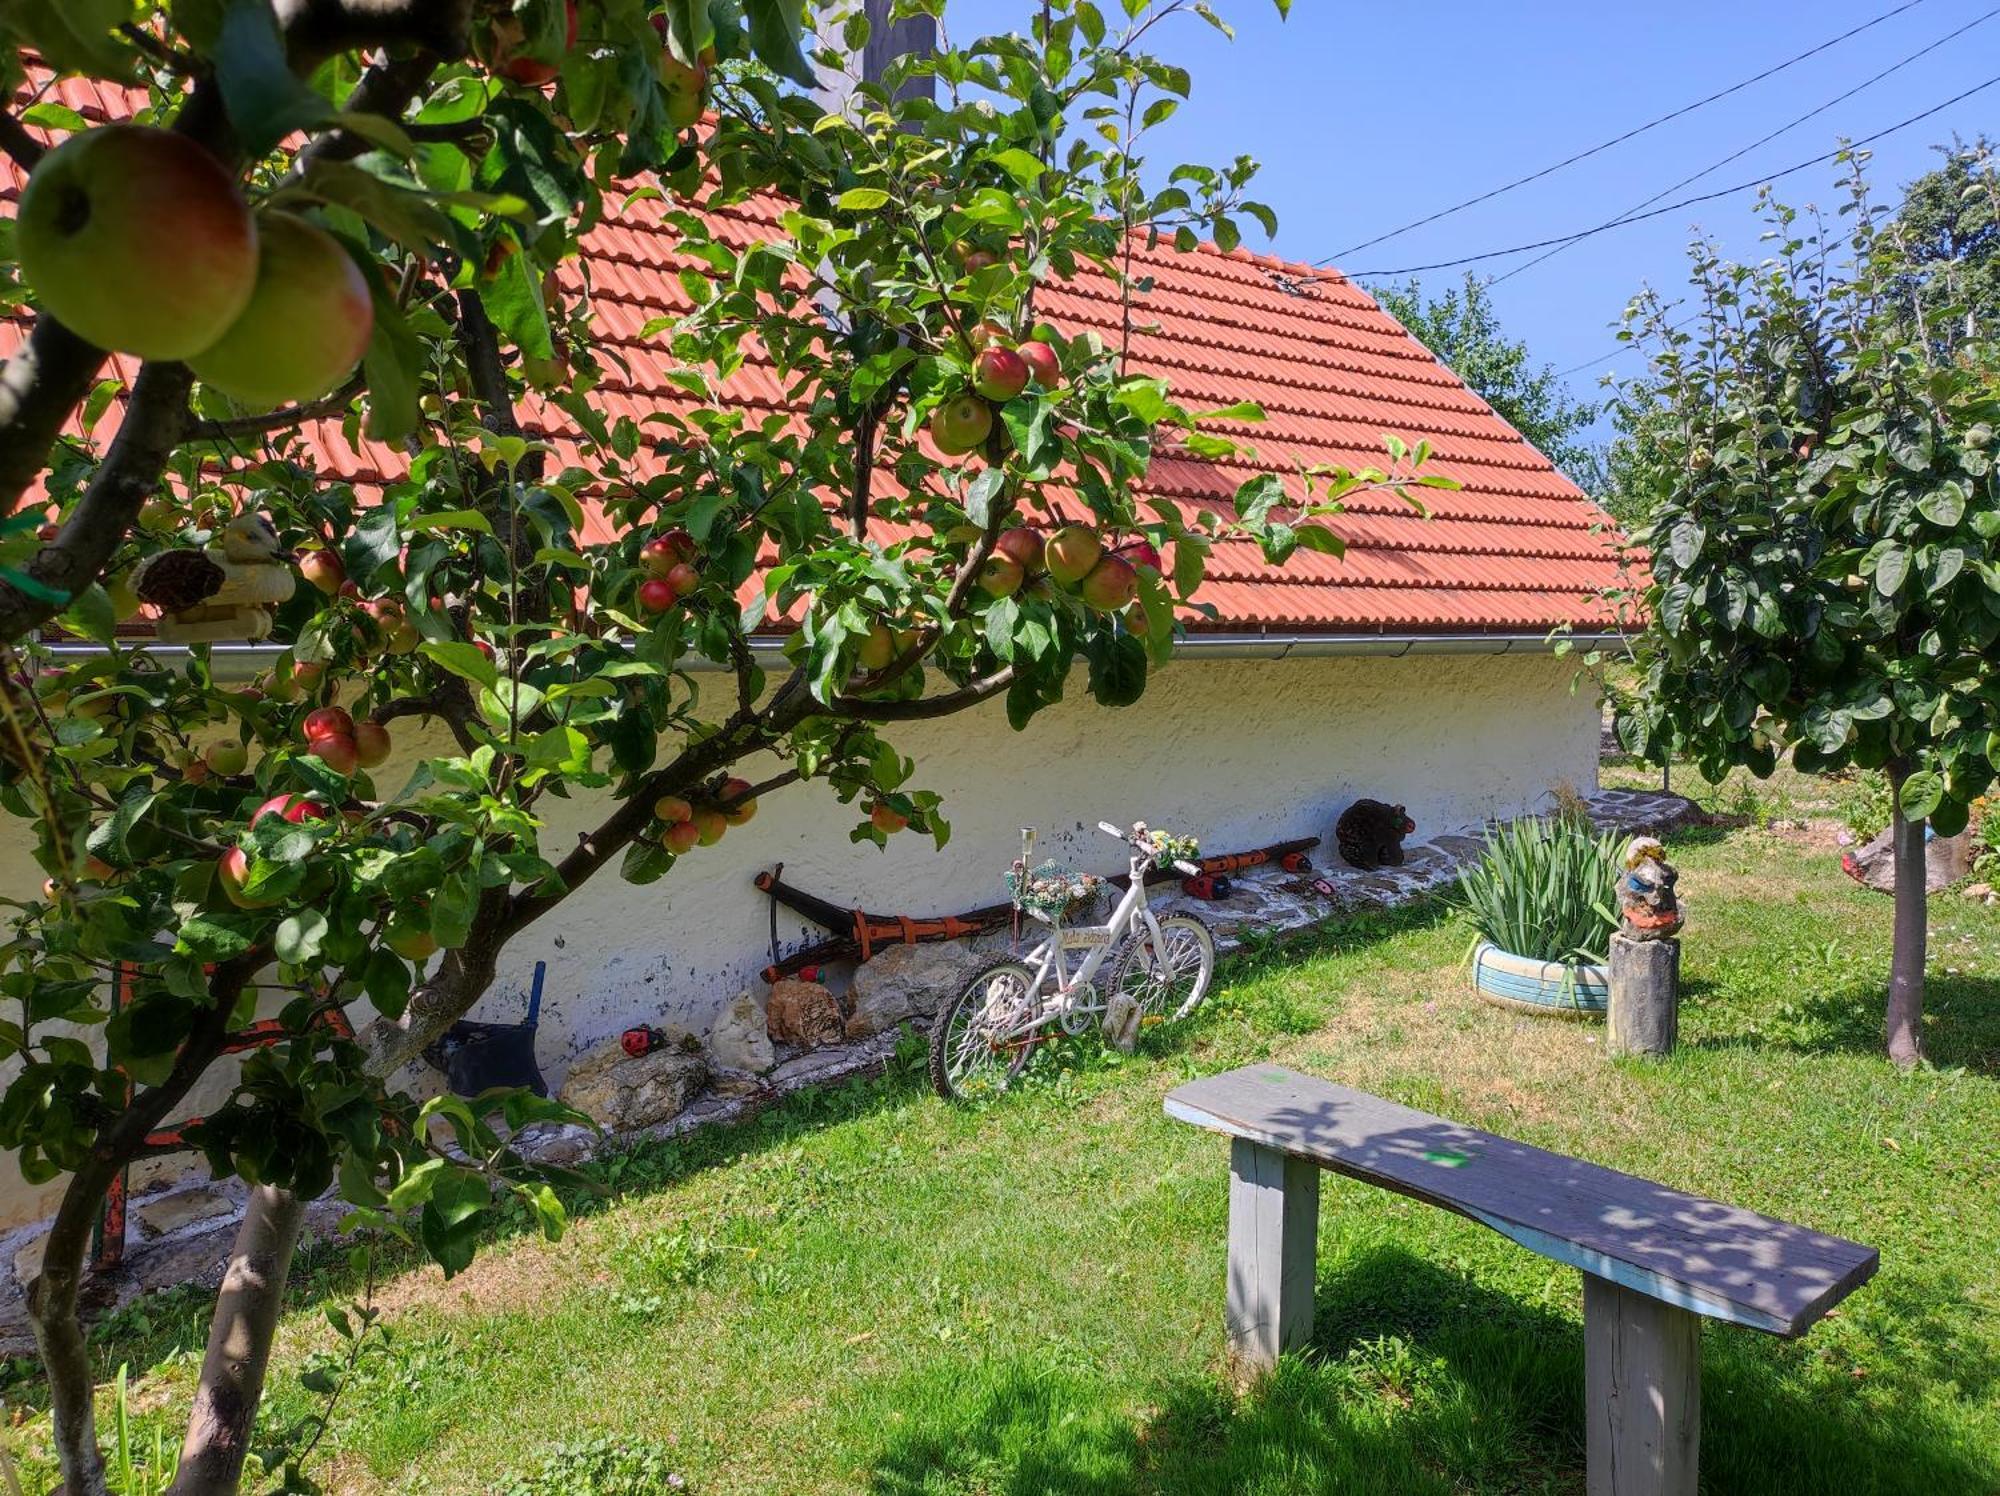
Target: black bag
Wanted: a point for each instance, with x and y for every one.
(476, 1057)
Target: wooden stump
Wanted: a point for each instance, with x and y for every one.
(1273, 1235)
(1645, 1007)
(1642, 1393)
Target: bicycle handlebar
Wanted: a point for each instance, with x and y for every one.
(1110, 830)
(1186, 867)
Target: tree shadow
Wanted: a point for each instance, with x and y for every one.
(1419, 1380)
(1961, 1020)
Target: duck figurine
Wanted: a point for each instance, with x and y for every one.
(227, 590)
(1646, 892)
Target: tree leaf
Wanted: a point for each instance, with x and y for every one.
(265, 99)
(1920, 795)
(299, 936)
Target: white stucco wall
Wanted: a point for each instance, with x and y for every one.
(1241, 753)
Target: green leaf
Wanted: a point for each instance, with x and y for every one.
(453, 908)
(406, 216)
(265, 99)
(466, 660)
(107, 838)
(1117, 668)
(1944, 505)
(299, 936)
(1891, 568)
(645, 862)
(862, 200)
(1920, 795)
(775, 26)
(1020, 165)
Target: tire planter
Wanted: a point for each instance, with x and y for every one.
(1557, 989)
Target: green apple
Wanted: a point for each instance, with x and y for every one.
(137, 240)
(307, 323)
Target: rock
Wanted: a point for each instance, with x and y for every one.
(625, 1094)
(733, 1084)
(908, 981)
(740, 1037)
(563, 1144)
(164, 1214)
(28, 1261)
(803, 1013)
(1121, 1023)
(1980, 891)
(1946, 860)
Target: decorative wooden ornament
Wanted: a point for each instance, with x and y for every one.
(225, 591)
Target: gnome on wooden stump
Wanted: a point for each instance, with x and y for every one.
(1646, 892)
(226, 591)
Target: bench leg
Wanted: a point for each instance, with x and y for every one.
(1273, 1233)
(1642, 1393)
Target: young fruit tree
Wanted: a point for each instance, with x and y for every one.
(1824, 529)
(362, 218)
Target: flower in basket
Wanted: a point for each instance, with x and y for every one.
(1169, 849)
(1051, 889)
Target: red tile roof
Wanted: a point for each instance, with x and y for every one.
(1518, 549)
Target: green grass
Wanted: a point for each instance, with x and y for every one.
(869, 1291)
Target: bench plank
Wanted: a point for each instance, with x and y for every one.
(1714, 1259)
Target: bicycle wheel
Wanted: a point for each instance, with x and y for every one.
(979, 1040)
(1169, 981)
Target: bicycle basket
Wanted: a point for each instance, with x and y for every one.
(1052, 890)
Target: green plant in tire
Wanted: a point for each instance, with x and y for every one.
(1545, 888)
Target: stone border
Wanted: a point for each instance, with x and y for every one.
(181, 1232)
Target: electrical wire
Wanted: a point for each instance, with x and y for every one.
(1621, 139)
(1686, 202)
(1785, 128)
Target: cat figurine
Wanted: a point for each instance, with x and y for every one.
(1370, 834)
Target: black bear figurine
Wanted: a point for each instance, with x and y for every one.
(1370, 834)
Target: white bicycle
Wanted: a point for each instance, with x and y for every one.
(985, 1035)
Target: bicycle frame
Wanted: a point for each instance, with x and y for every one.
(1048, 961)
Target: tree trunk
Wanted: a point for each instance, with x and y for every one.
(66, 1357)
(239, 1345)
(1904, 1027)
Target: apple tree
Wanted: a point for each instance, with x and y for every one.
(1824, 528)
(368, 213)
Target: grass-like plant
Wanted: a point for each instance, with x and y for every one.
(1544, 888)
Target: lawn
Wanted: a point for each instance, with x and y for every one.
(867, 1290)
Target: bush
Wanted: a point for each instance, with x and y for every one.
(1544, 888)
(600, 1466)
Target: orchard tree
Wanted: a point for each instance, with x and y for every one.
(943, 513)
(1825, 539)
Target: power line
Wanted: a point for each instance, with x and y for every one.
(1620, 139)
(1686, 202)
(1767, 139)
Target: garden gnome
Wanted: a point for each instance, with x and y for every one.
(227, 591)
(1646, 892)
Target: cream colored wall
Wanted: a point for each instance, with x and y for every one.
(1242, 753)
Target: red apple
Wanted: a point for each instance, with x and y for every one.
(1135, 618)
(306, 325)
(885, 817)
(987, 335)
(1022, 544)
(1042, 362)
(327, 722)
(709, 826)
(681, 837)
(959, 425)
(1139, 551)
(323, 569)
(1112, 584)
(293, 808)
(337, 753)
(737, 805)
(978, 260)
(371, 744)
(999, 374)
(1072, 551)
(658, 556)
(672, 809)
(656, 594)
(1000, 576)
(685, 580)
(511, 63)
(232, 870)
(137, 240)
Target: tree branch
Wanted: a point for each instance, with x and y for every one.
(155, 420)
(277, 420)
(860, 709)
(18, 143)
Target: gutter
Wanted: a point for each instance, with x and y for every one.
(236, 662)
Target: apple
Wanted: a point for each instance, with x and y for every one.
(483, 647)
(999, 373)
(514, 65)
(97, 870)
(1112, 584)
(226, 757)
(886, 818)
(403, 639)
(656, 594)
(338, 753)
(959, 425)
(137, 240)
(878, 647)
(737, 805)
(1072, 551)
(323, 569)
(327, 722)
(687, 89)
(709, 826)
(681, 837)
(305, 327)
(371, 744)
(1023, 545)
(1042, 362)
(410, 941)
(684, 579)
(978, 260)
(1135, 618)
(1000, 576)
(1139, 551)
(987, 335)
(672, 809)
(658, 556)
(293, 808)
(232, 871)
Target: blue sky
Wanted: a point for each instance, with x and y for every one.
(1366, 116)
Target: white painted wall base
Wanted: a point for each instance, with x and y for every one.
(1241, 753)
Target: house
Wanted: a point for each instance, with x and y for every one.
(1417, 669)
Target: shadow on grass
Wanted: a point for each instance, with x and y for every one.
(1961, 1020)
(1419, 1380)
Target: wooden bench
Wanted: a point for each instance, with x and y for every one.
(1654, 1260)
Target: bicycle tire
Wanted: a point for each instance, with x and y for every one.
(976, 993)
(1197, 943)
